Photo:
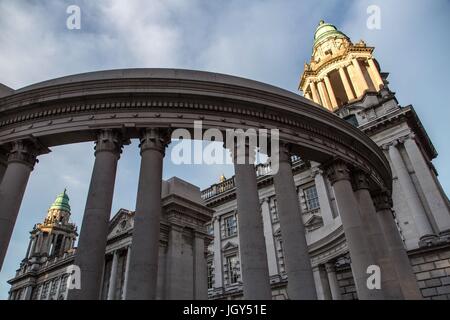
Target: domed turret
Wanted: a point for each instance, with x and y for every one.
(61, 202)
(325, 30)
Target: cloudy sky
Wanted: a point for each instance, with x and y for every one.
(267, 41)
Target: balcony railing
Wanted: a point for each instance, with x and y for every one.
(262, 169)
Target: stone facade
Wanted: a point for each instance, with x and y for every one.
(340, 213)
(183, 241)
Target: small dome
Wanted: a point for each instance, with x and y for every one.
(61, 202)
(325, 30)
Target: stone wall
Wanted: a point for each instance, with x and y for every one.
(346, 283)
(432, 269)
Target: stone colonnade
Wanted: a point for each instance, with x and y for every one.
(369, 227)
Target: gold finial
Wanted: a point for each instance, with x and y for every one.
(321, 22)
(222, 178)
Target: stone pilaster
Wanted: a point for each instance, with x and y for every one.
(200, 268)
(429, 185)
(419, 215)
(322, 192)
(113, 277)
(332, 281)
(268, 236)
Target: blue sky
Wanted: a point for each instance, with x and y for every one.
(267, 41)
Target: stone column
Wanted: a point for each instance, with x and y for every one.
(315, 94)
(397, 251)
(389, 281)
(127, 269)
(90, 253)
(268, 236)
(217, 244)
(322, 192)
(361, 80)
(21, 160)
(3, 164)
(324, 95)
(113, 277)
(360, 254)
(346, 83)
(333, 282)
(145, 244)
(428, 183)
(375, 74)
(252, 247)
(200, 268)
(333, 100)
(318, 284)
(298, 264)
(410, 193)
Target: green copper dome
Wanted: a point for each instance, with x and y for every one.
(61, 202)
(325, 30)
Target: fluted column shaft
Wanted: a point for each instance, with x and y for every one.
(360, 254)
(397, 251)
(255, 271)
(21, 160)
(94, 229)
(422, 223)
(301, 284)
(145, 245)
(389, 281)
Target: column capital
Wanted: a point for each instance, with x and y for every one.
(360, 180)
(26, 151)
(154, 139)
(330, 267)
(109, 140)
(337, 170)
(382, 201)
(264, 200)
(316, 171)
(242, 152)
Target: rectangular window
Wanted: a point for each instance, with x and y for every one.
(63, 287)
(232, 271)
(311, 197)
(45, 290)
(230, 226)
(210, 275)
(53, 288)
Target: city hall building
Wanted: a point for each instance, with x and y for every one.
(317, 237)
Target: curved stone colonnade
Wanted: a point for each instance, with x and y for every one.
(111, 107)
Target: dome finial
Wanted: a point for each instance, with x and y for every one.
(321, 22)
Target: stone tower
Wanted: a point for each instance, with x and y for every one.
(345, 78)
(339, 72)
(55, 236)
